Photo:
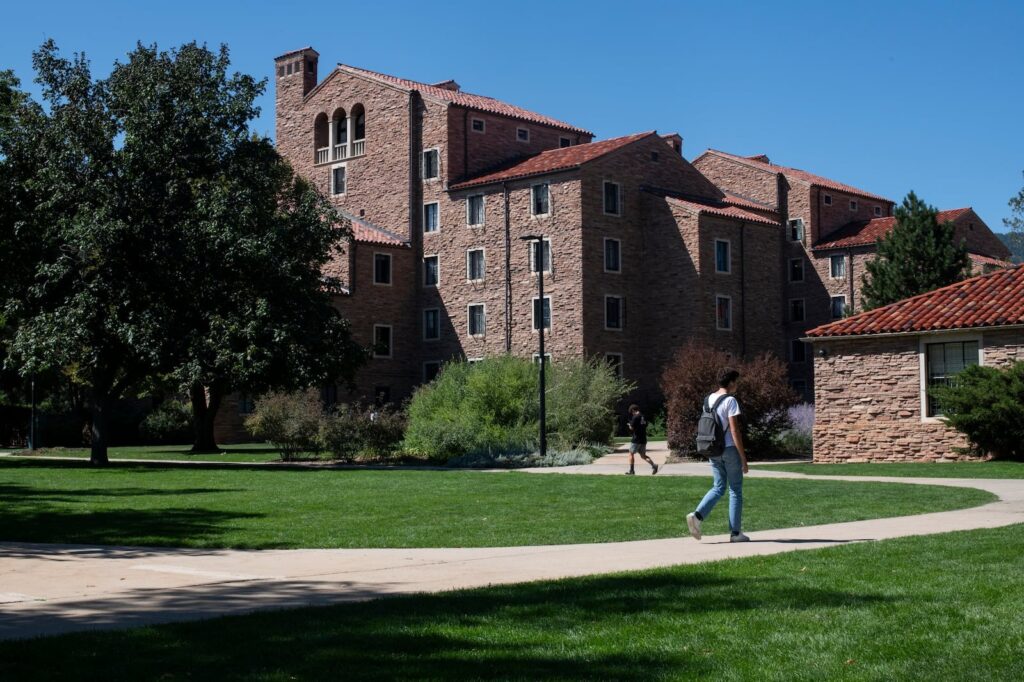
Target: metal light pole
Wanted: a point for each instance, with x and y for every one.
(537, 242)
(32, 418)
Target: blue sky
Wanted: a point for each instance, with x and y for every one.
(886, 96)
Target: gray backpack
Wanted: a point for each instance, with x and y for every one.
(710, 433)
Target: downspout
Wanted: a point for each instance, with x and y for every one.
(743, 290)
(508, 272)
(465, 143)
(849, 254)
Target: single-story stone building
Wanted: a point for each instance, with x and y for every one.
(872, 370)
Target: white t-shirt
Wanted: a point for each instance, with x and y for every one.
(727, 408)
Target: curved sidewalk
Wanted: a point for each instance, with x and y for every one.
(47, 589)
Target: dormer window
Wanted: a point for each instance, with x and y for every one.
(564, 142)
(853, 204)
(523, 134)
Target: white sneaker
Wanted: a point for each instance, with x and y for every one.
(693, 523)
(739, 537)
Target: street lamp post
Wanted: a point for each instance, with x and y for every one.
(32, 418)
(537, 242)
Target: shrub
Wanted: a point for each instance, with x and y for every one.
(986, 404)
(797, 440)
(288, 421)
(656, 428)
(357, 430)
(581, 402)
(575, 457)
(763, 393)
(170, 422)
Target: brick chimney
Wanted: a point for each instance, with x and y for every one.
(447, 85)
(294, 76)
(674, 140)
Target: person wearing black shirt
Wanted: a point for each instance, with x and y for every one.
(638, 442)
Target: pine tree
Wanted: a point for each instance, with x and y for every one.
(917, 256)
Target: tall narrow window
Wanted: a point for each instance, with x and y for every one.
(796, 310)
(475, 209)
(798, 351)
(540, 199)
(828, 199)
(431, 271)
(943, 362)
(360, 124)
(878, 211)
(338, 180)
(430, 217)
(614, 361)
(796, 270)
(475, 265)
(382, 268)
(612, 255)
(853, 205)
(613, 313)
(542, 312)
(837, 267)
(796, 230)
(723, 257)
(838, 307)
(431, 164)
(382, 341)
(431, 369)
(723, 313)
(540, 252)
(477, 320)
(612, 197)
(431, 324)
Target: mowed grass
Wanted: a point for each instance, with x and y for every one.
(271, 508)
(909, 469)
(943, 607)
(245, 452)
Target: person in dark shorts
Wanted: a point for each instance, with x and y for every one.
(638, 441)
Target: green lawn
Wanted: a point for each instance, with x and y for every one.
(944, 607)
(911, 469)
(245, 452)
(127, 504)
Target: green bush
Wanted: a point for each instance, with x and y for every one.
(581, 402)
(564, 458)
(656, 428)
(169, 423)
(353, 431)
(288, 421)
(986, 404)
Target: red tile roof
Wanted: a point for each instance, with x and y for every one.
(743, 202)
(465, 99)
(979, 259)
(722, 210)
(761, 161)
(365, 232)
(867, 232)
(993, 300)
(550, 161)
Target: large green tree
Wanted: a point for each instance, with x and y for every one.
(918, 255)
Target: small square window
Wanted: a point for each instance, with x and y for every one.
(475, 209)
(477, 320)
(796, 230)
(614, 318)
(798, 351)
(878, 211)
(828, 199)
(540, 199)
(431, 223)
(853, 205)
(430, 370)
(478, 125)
(723, 258)
(431, 324)
(431, 164)
(523, 134)
(381, 341)
(537, 254)
(431, 271)
(546, 316)
(796, 310)
(612, 197)
(564, 142)
(614, 361)
(838, 307)
(837, 267)
(654, 156)
(338, 180)
(289, 71)
(475, 265)
(612, 255)
(382, 268)
(547, 359)
(796, 270)
(723, 313)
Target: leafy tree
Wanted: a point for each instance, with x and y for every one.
(986, 404)
(1016, 220)
(917, 256)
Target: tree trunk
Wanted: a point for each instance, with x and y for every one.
(205, 404)
(100, 417)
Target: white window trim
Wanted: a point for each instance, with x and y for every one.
(532, 257)
(436, 230)
(622, 310)
(482, 249)
(333, 167)
(519, 139)
(473, 361)
(428, 363)
(789, 230)
(830, 299)
(424, 320)
(827, 199)
(922, 353)
(482, 122)
(618, 195)
(540, 215)
(469, 317)
(391, 271)
(483, 210)
(536, 356)
(803, 270)
(562, 138)
(533, 314)
(790, 310)
(423, 158)
(604, 255)
(845, 264)
(853, 204)
(621, 364)
(728, 251)
(424, 282)
(391, 341)
(718, 327)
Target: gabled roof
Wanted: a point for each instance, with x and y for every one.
(743, 202)
(993, 300)
(550, 161)
(722, 210)
(761, 162)
(867, 232)
(444, 92)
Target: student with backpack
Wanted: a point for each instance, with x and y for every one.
(638, 439)
(719, 439)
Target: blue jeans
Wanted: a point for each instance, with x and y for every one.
(727, 470)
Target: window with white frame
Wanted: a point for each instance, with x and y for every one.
(431, 271)
(473, 361)
(338, 180)
(431, 164)
(477, 319)
(382, 268)
(541, 312)
(431, 368)
(878, 211)
(523, 134)
(837, 267)
(382, 340)
(853, 204)
(827, 199)
(723, 313)
(796, 310)
(478, 125)
(547, 359)
(475, 209)
(431, 324)
(540, 199)
(943, 361)
(564, 142)
(797, 351)
(475, 265)
(614, 361)
(838, 307)
(612, 198)
(723, 256)
(614, 313)
(796, 269)
(540, 252)
(431, 218)
(612, 255)
(796, 230)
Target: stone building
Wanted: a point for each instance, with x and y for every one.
(873, 370)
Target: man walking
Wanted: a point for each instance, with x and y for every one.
(729, 467)
(638, 441)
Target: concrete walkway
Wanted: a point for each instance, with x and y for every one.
(47, 589)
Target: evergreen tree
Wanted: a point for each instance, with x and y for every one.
(1016, 220)
(917, 256)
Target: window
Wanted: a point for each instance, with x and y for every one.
(614, 313)
(796, 230)
(837, 267)
(359, 132)
(329, 396)
(431, 223)
(246, 404)
(431, 164)
(536, 252)
(475, 265)
(654, 157)
(537, 316)
(540, 199)
(431, 369)
(796, 270)
(723, 313)
(853, 204)
(431, 324)
(523, 134)
(473, 361)
(382, 268)
(477, 125)
(943, 361)
(797, 351)
(431, 271)
(612, 255)
(338, 180)
(280, 71)
(799, 386)
(289, 69)
(477, 321)
(382, 341)
(723, 259)
(475, 209)
(838, 307)
(614, 361)
(612, 196)
(828, 199)
(796, 310)
(878, 211)
(564, 142)
(547, 359)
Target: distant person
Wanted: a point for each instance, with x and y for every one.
(726, 453)
(638, 439)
